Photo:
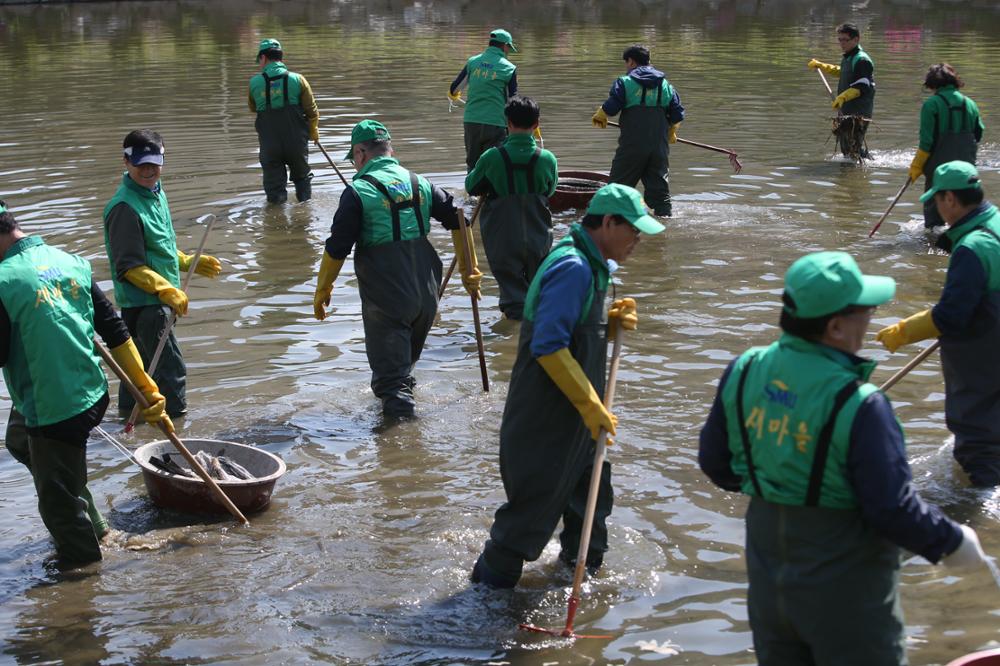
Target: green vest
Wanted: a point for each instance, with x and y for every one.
(274, 87)
(949, 122)
(52, 371)
(391, 213)
(489, 72)
(158, 232)
(577, 242)
(637, 95)
(865, 104)
(519, 166)
(798, 404)
(981, 234)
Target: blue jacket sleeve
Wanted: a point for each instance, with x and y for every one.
(561, 295)
(458, 80)
(880, 477)
(512, 85)
(675, 110)
(714, 454)
(616, 98)
(964, 289)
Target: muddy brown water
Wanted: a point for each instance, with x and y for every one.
(364, 553)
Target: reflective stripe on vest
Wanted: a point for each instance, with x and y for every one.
(396, 206)
(528, 167)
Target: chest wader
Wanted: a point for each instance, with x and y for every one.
(284, 140)
(398, 283)
(479, 138)
(146, 324)
(954, 141)
(823, 586)
(971, 368)
(546, 454)
(517, 234)
(850, 126)
(59, 472)
(643, 151)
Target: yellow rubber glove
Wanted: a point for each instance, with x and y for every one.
(537, 134)
(567, 374)
(471, 277)
(151, 282)
(208, 266)
(600, 119)
(672, 133)
(912, 329)
(127, 356)
(455, 96)
(845, 97)
(314, 129)
(917, 165)
(622, 311)
(329, 269)
(829, 69)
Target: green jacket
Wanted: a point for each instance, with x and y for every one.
(390, 211)
(52, 370)
(780, 406)
(948, 111)
(579, 243)
(496, 177)
(489, 72)
(158, 232)
(973, 235)
(638, 95)
(865, 104)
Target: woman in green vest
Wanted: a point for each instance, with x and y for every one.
(950, 129)
(146, 264)
(967, 320)
(50, 308)
(797, 427)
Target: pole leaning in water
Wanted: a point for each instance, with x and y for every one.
(332, 163)
(165, 333)
(141, 401)
(588, 516)
(454, 260)
(467, 250)
(891, 206)
(917, 360)
(734, 158)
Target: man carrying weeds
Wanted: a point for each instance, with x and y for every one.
(554, 410)
(855, 100)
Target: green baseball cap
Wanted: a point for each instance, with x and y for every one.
(822, 283)
(502, 36)
(3, 206)
(367, 130)
(957, 175)
(618, 199)
(267, 45)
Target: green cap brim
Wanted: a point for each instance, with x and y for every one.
(350, 154)
(875, 290)
(926, 196)
(647, 225)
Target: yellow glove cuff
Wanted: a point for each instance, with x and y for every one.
(845, 97)
(455, 96)
(672, 133)
(127, 356)
(329, 269)
(184, 261)
(920, 327)
(920, 159)
(458, 238)
(147, 279)
(566, 373)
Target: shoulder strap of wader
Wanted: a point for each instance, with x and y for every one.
(823, 443)
(740, 414)
(659, 95)
(961, 108)
(267, 88)
(528, 167)
(396, 206)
